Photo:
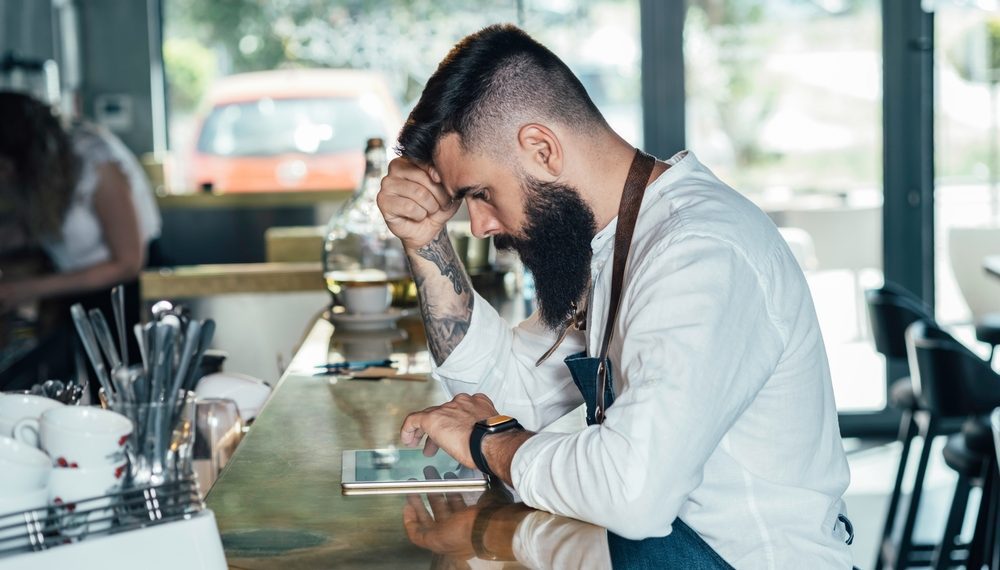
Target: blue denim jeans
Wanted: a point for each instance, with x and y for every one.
(682, 549)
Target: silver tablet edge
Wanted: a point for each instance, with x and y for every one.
(352, 491)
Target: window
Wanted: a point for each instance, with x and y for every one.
(218, 113)
(784, 104)
(967, 162)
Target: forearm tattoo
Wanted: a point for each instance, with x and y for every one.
(446, 310)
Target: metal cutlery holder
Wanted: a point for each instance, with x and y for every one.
(161, 503)
(58, 526)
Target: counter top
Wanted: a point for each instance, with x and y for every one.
(278, 503)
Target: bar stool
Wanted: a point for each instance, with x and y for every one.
(950, 381)
(890, 310)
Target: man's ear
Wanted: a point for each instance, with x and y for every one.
(539, 146)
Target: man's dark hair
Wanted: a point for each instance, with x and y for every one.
(489, 78)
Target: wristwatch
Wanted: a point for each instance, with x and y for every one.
(495, 424)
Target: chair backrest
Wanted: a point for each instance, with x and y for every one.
(890, 310)
(966, 249)
(948, 378)
(827, 228)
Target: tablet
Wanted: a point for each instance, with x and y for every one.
(405, 470)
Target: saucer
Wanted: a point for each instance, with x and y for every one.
(368, 322)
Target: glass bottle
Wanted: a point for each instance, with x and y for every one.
(359, 249)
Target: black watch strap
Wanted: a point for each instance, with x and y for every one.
(481, 430)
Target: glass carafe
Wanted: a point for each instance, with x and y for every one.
(359, 249)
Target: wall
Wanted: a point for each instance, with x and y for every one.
(115, 49)
(25, 27)
(115, 39)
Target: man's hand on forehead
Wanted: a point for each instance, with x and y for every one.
(453, 198)
(414, 203)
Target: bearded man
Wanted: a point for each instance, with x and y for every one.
(668, 304)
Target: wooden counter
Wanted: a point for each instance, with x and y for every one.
(279, 503)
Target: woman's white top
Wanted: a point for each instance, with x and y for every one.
(81, 242)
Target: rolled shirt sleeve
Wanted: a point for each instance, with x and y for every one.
(694, 343)
(499, 361)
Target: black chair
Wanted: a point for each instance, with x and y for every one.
(891, 309)
(950, 381)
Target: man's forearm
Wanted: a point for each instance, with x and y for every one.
(445, 295)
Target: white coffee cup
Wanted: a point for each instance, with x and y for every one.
(26, 510)
(80, 498)
(75, 436)
(366, 298)
(23, 468)
(16, 407)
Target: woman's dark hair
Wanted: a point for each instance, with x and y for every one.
(490, 77)
(45, 167)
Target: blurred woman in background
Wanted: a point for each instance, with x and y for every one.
(83, 198)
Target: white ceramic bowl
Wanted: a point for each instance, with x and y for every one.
(248, 392)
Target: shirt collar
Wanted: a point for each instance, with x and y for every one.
(600, 245)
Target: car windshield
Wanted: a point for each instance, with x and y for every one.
(282, 126)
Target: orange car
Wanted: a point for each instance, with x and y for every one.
(299, 129)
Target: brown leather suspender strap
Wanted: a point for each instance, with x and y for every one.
(628, 212)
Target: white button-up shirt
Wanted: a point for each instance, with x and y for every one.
(724, 413)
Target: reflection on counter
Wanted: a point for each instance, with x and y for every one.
(486, 529)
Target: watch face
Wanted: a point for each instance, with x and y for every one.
(497, 420)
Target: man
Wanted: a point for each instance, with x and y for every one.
(719, 425)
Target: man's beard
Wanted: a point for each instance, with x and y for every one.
(555, 246)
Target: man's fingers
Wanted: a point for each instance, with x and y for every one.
(430, 448)
(423, 196)
(439, 506)
(455, 500)
(410, 210)
(411, 431)
(418, 512)
(402, 168)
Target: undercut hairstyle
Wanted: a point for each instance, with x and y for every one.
(490, 81)
(46, 168)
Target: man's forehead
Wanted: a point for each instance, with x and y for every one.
(454, 164)
(449, 153)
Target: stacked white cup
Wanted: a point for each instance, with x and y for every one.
(24, 490)
(24, 470)
(86, 460)
(16, 407)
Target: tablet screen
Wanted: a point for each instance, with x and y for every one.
(375, 466)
